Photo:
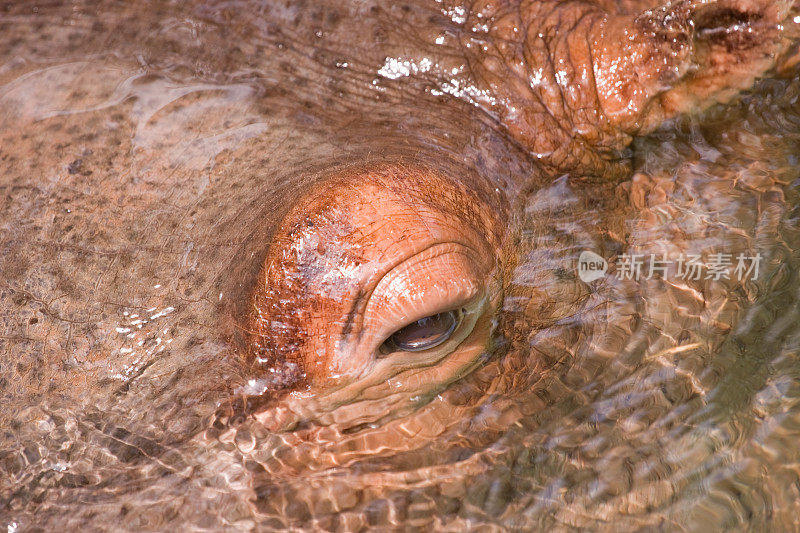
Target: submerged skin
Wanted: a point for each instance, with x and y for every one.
(213, 189)
(323, 304)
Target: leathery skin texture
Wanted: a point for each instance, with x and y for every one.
(312, 265)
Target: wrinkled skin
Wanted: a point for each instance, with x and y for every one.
(213, 216)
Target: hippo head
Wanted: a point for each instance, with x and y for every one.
(312, 265)
(383, 282)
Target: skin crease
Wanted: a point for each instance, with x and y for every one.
(616, 74)
(352, 264)
(356, 275)
(672, 59)
(167, 162)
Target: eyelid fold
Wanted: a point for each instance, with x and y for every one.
(443, 277)
(359, 259)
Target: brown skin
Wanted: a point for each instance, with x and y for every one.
(122, 193)
(572, 83)
(373, 250)
(340, 260)
(592, 78)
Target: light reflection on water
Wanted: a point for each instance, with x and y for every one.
(620, 404)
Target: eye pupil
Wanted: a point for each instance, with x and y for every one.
(423, 334)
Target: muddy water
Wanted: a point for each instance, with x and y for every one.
(146, 153)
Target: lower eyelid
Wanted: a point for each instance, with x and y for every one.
(396, 301)
(401, 361)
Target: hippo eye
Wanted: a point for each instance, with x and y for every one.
(425, 333)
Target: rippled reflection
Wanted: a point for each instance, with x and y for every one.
(140, 172)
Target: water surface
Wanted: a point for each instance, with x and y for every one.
(146, 151)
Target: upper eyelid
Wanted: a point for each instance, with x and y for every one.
(471, 254)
